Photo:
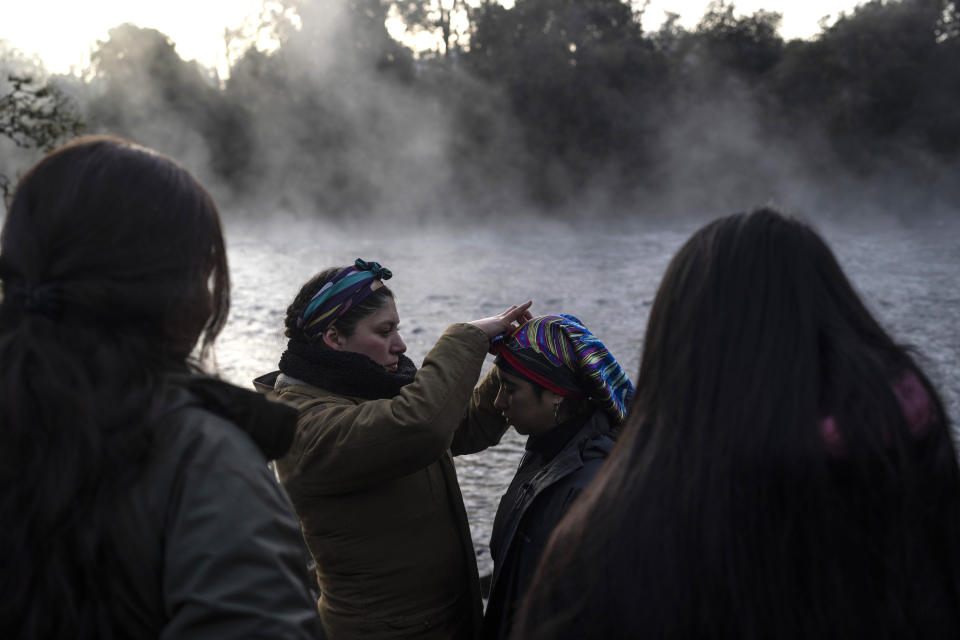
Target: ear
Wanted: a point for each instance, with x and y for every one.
(332, 339)
(553, 398)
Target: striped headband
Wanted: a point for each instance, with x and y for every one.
(568, 351)
(346, 289)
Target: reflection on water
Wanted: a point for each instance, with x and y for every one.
(606, 275)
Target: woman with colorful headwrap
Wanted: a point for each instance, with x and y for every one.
(561, 387)
(370, 473)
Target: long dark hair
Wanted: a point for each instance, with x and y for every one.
(113, 267)
(723, 512)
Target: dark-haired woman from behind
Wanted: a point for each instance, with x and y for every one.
(370, 472)
(135, 497)
(786, 470)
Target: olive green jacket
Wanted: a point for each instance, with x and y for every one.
(376, 491)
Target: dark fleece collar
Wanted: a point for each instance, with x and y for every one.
(345, 372)
(269, 424)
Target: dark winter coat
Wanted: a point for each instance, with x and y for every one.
(554, 469)
(376, 490)
(205, 538)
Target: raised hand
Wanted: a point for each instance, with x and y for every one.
(504, 322)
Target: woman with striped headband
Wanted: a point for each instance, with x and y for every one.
(370, 473)
(560, 387)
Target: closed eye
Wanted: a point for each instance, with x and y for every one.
(386, 330)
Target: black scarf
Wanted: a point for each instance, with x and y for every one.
(345, 372)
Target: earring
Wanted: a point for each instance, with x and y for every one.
(556, 413)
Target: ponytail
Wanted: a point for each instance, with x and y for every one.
(107, 259)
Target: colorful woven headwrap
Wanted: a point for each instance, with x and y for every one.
(560, 354)
(346, 289)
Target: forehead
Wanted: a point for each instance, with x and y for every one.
(511, 378)
(387, 313)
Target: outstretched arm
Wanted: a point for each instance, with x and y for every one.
(483, 425)
(342, 445)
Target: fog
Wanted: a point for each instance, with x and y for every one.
(560, 157)
(587, 118)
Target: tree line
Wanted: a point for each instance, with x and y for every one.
(546, 104)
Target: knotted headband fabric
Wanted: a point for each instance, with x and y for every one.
(346, 289)
(560, 354)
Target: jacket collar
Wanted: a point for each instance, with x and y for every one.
(270, 424)
(550, 443)
(593, 440)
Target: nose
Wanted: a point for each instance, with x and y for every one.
(398, 346)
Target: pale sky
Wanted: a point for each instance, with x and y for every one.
(62, 32)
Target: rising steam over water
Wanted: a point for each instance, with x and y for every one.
(333, 125)
(605, 274)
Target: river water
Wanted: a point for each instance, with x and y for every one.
(606, 274)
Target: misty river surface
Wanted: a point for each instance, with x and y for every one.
(606, 274)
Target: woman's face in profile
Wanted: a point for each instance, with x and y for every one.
(529, 412)
(377, 337)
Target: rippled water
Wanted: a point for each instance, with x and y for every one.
(604, 274)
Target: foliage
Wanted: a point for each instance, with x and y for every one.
(35, 115)
(354, 30)
(142, 89)
(748, 46)
(451, 20)
(584, 84)
(333, 91)
(539, 101)
(879, 81)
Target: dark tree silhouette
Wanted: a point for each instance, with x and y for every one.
(546, 102)
(584, 83)
(143, 89)
(35, 115)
